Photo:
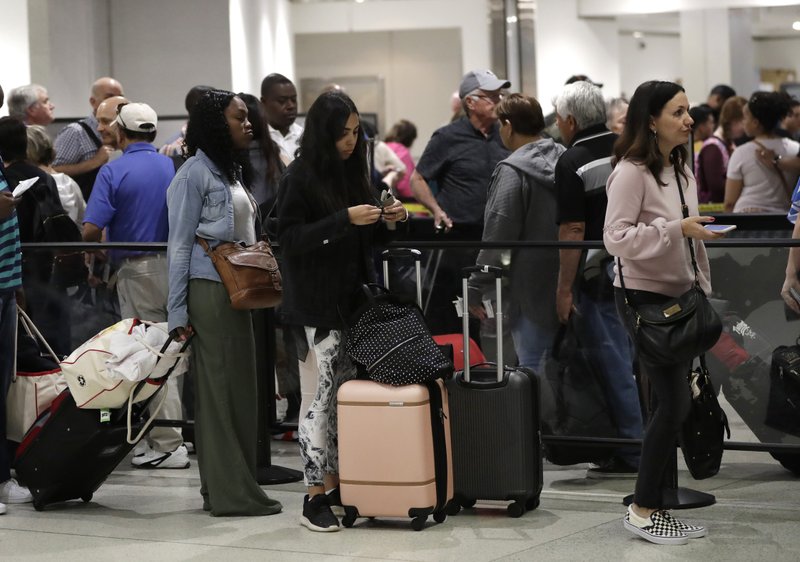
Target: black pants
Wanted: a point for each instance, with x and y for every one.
(669, 408)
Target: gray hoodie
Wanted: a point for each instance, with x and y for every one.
(521, 205)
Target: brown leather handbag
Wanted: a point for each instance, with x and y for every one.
(250, 273)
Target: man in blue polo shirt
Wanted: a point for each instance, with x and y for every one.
(129, 202)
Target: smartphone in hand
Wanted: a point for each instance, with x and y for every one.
(387, 199)
(721, 228)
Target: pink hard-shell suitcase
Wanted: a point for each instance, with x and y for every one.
(394, 451)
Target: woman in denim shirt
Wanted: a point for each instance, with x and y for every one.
(206, 199)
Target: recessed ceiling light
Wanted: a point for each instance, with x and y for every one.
(796, 26)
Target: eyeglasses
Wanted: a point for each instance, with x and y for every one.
(494, 98)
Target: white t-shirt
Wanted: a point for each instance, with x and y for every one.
(244, 213)
(71, 197)
(761, 186)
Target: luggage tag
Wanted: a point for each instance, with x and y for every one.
(487, 304)
(459, 304)
(105, 415)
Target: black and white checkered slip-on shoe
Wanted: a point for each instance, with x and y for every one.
(656, 528)
(691, 531)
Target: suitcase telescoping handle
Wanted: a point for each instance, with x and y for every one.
(403, 253)
(498, 314)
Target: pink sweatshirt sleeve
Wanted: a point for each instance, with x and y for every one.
(626, 233)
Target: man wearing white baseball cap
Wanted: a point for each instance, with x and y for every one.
(129, 202)
(460, 158)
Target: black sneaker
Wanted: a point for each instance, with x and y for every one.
(335, 500)
(614, 468)
(317, 514)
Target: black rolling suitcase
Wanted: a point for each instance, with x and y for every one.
(69, 452)
(495, 426)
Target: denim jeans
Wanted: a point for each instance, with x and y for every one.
(8, 326)
(532, 342)
(605, 335)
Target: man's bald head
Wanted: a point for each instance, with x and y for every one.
(106, 114)
(102, 89)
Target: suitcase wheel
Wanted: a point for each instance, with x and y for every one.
(38, 505)
(439, 516)
(87, 498)
(452, 508)
(350, 515)
(532, 503)
(418, 523)
(467, 504)
(516, 509)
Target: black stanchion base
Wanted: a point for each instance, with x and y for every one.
(681, 498)
(272, 475)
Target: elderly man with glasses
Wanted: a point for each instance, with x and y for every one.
(460, 159)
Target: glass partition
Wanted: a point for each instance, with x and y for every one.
(747, 274)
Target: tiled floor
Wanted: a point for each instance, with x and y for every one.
(156, 515)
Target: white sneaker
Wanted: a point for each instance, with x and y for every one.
(141, 448)
(179, 458)
(12, 492)
(2, 508)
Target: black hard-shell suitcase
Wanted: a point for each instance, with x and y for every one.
(69, 452)
(495, 425)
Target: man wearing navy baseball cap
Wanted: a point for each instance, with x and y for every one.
(460, 159)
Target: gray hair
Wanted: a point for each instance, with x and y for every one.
(472, 94)
(40, 147)
(20, 99)
(612, 106)
(584, 101)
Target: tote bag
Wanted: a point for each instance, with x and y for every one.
(37, 379)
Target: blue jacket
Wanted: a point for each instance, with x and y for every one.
(199, 203)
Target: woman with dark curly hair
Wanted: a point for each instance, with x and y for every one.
(327, 223)
(752, 187)
(206, 200)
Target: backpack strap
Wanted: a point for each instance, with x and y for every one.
(92, 135)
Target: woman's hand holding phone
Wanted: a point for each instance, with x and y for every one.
(692, 227)
(364, 214)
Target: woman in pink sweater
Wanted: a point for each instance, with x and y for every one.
(646, 231)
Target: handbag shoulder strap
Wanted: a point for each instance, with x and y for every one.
(204, 244)
(685, 213)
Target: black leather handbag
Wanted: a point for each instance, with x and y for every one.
(704, 429)
(678, 329)
(783, 409)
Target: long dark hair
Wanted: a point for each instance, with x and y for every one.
(637, 141)
(267, 146)
(339, 183)
(208, 131)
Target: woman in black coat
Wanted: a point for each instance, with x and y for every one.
(328, 219)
